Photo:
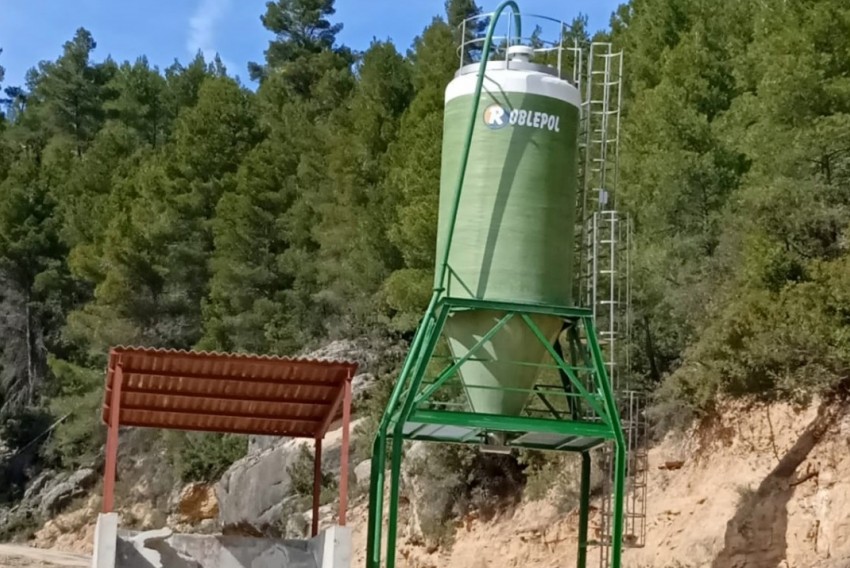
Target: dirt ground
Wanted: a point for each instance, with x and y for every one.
(12, 556)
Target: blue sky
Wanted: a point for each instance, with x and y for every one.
(34, 30)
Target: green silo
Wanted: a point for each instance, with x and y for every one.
(513, 239)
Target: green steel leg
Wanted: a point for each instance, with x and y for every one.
(619, 502)
(376, 499)
(577, 353)
(395, 482)
(572, 403)
(423, 358)
(376, 485)
(584, 510)
(619, 444)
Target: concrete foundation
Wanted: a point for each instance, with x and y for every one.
(163, 549)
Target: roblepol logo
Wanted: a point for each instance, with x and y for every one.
(495, 117)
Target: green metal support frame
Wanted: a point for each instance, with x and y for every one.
(414, 413)
(412, 407)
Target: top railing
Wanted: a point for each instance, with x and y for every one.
(549, 39)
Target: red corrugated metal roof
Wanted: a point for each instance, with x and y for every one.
(226, 392)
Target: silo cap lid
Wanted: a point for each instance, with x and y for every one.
(520, 50)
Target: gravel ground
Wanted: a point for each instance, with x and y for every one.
(12, 556)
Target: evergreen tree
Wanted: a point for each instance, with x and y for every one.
(33, 279)
(301, 29)
(70, 91)
(356, 254)
(301, 100)
(139, 104)
(413, 178)
(157, 246)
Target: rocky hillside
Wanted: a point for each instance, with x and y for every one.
(758, 485)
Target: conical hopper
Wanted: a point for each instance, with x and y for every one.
(514, 342)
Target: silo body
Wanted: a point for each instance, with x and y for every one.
(513, 239)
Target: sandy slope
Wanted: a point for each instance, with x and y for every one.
(760, 487)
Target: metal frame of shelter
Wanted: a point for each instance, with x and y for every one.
(228, 393)
(572, 407)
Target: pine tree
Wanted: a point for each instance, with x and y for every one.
(139, 101)
(306, 85)
(33, 279)
(301, 29)
(70, 91)
(158, 242)
(413, 178)
(356, 255)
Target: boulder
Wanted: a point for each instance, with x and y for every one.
(252, 490)
(416, 452)
(363, 472)
(57, 496)
(197, 502)
(373, 357)
(256, 491)
(37, 485)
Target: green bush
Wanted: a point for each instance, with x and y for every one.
(20, 527)
(204, 457)
(554, 475)
(301, 474)
(79, 438)
(788, 344)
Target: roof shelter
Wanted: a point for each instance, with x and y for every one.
(228, 393)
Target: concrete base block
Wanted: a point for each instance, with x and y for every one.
(105, 541)
(155, 549)
(332, 548)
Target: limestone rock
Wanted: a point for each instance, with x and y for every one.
(416, 452)
(59, 495)
(251, 492)
(255, 492)
(37, 485)
(197, 502)
(363, 472)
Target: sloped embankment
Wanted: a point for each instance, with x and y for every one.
(759, 486)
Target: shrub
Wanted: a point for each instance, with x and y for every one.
(204, 457)
(557, 476)
(78, 438)
(301, 474)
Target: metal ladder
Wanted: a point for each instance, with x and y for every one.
(605, 284)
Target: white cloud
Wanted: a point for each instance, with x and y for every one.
(202, 26)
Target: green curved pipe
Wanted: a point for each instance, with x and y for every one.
(482, 67)
(379, 459)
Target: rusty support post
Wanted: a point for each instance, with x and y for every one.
(112, 441)
(317, 484)
(343, 459)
